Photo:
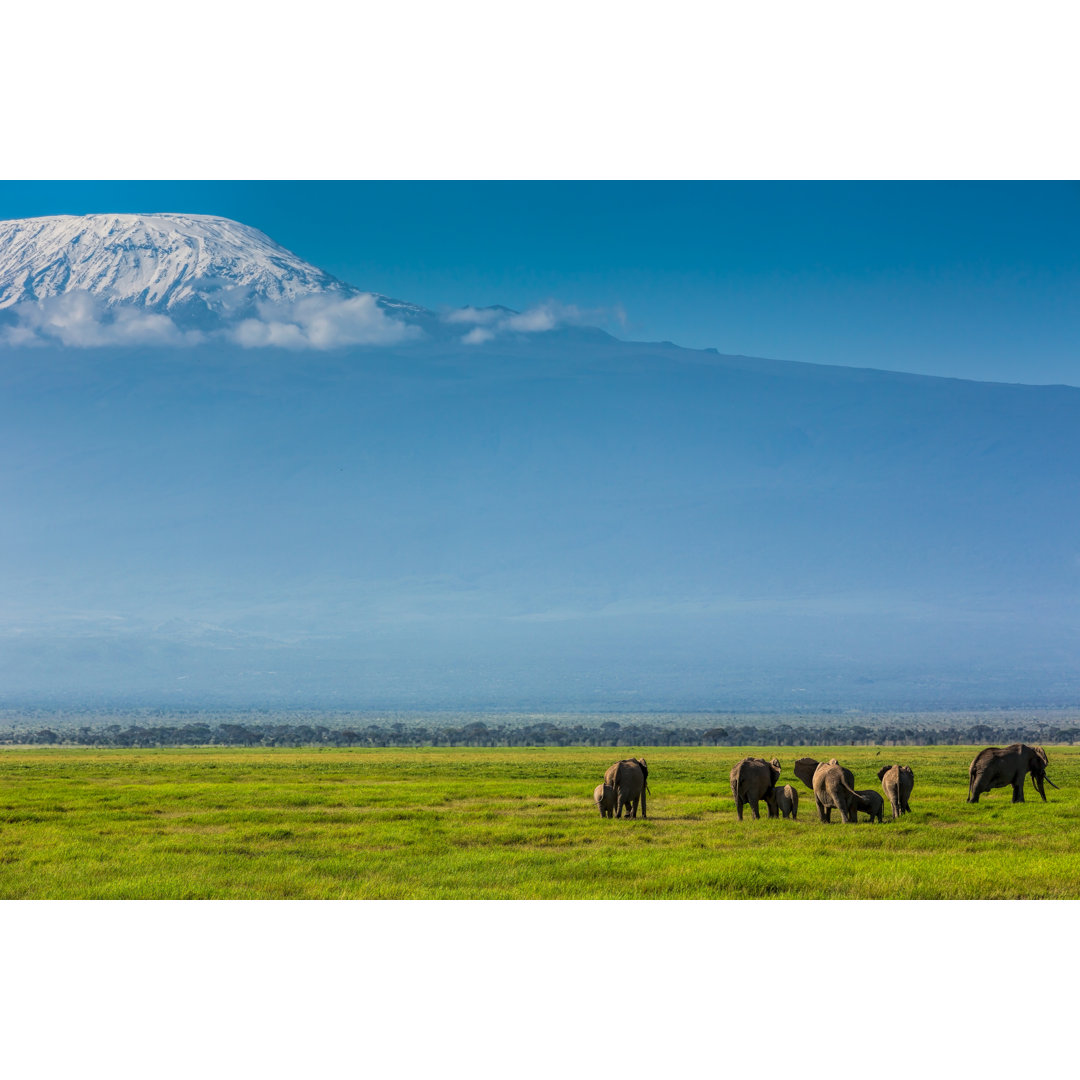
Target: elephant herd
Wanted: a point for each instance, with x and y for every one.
(754, 780)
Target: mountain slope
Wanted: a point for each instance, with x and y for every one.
(593, 524)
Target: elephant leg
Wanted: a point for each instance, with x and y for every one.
(1018, 791)
(754, 810)
(738, 808)
(618, 805)
(821, 811)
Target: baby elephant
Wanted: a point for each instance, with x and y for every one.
(787, 802)
(872, 804)
(604, 797)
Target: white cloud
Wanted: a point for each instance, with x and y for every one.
(478, 335)
(321, 322)
(79, 319)
(535, 320)
(488, 322)
(313, 322)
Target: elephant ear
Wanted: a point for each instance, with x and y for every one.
(882, 771)
(1042, 755)
(774, 770)
(804, 769)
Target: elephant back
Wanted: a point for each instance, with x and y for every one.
(626, 775)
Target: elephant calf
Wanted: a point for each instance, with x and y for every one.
(872, 804)
(604, 797)
(787, 802)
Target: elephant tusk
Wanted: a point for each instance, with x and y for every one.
(1051, 783)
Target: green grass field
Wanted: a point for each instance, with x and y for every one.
(507, 824)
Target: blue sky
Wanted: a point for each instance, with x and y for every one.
(974, 280)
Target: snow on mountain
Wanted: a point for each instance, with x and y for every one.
(201, 272)
(179, 279)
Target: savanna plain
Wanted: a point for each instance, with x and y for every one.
(517, 823)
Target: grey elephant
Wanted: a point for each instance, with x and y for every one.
(753, 780)
(805, 768)
(604, 797)
(630, 780)
(897, 782)
(995, 767)
(830, 783)
(874, 804)
(787, 802)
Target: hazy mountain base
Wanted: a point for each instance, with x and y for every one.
(150, 728)
(555, 523)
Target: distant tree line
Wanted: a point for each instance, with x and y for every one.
(906, 731)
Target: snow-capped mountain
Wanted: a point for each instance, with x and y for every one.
(184, 279)
(196, 269)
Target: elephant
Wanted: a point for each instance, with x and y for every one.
(897, 782)
(876, 804)
(604, 797)
(754, 779)
(805, 768)
(995, 767)
(831, 789)
(787, 802)
(630, 779)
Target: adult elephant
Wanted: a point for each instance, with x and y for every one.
(897, 782)
(832, 787)
(996, 767)
(754, 780)
(805, 768)
(630, 779)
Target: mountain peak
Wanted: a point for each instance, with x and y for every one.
(198, 269)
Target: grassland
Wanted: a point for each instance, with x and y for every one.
(506, 823)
